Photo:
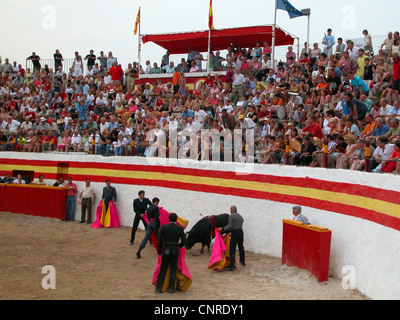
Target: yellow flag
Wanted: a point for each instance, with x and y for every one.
(210, 17)
(137, 23)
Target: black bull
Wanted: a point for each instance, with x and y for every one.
(203, 230)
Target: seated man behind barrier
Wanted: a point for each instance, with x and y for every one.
(296, 210)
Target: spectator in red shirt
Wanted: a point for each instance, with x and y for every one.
(264, 112)
(313, 127)
(72, 190)
(396, 77)
(209, 81)
(116, 72)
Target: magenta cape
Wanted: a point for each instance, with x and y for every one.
(107, 219)
(164, 220)
(183, 278)
(220, 257)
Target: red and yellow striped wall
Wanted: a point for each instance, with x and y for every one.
(374, 204)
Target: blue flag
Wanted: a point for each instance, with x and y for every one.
(292, 11)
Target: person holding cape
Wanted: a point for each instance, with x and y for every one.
(170, 238)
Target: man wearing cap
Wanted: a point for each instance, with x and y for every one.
(43, 126)
(358, 84)
(266, 128)
(296, 210)
(148, 90)
(153, 215)
(246, 123)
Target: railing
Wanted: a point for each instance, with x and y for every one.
(66, 64)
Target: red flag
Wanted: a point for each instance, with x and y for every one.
(210, 17)
(137, 23)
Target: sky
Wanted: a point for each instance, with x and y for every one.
(46, 25)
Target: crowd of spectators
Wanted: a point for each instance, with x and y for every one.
(340, 95)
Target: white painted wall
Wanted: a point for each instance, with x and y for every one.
(373, 250)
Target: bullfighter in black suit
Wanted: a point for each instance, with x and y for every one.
(140, 206)
(168, 246)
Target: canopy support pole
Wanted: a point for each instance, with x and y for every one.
(209, 50)
(273, 35)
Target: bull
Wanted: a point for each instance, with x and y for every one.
(204, 231)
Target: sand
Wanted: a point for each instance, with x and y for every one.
(100, 264)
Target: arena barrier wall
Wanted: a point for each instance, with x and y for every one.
(33, 200)
(307, 247)
(361, 209)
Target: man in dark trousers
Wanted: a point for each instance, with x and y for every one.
(234, 226)
(140, 206)
(153, 214)
(168, 247)
(109, 193)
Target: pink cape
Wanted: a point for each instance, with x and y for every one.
(183, 278)
(164, 220)
(220, 258)
(107, 219)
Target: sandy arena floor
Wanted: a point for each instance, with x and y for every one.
(99, 264)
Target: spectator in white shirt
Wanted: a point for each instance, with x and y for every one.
(19, 180)
(382, 152)
(352, 49)
(200, 117)
(26, 126)
(107, 78)
(147, 70)
(191, 125)
(246, 123)
(12, 125)
(238, 80)
(76, 140)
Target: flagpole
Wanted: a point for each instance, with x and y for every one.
(209, 48)
(139, 44)
(307, 12)
(210, 25)
(273, 35)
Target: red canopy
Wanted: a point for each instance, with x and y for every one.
(178, 43)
